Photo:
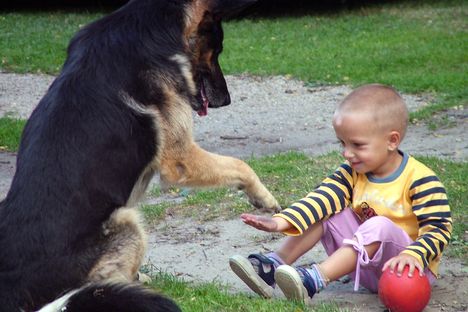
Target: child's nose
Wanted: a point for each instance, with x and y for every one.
(347, 153)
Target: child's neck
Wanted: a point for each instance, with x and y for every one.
(392, 164)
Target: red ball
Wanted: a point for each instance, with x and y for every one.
(403, 293)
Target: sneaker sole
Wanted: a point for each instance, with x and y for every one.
(290, 283)
(244, 270)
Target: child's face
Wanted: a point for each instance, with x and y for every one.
(366, 147)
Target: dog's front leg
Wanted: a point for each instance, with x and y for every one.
(199, 168)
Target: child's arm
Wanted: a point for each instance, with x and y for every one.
(267, 224)
(330, 197)
(431, 208)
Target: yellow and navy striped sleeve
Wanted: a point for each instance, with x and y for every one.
(330, 197)
(431, 207)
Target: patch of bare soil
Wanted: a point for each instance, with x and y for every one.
(200, 252)
(268, 115)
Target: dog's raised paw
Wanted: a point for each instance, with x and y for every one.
(266, 205)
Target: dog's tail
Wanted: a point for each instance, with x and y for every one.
(112, 297)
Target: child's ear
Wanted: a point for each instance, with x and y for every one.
(394, 140)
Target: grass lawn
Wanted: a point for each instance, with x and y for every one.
(214, 298)
(10, 133)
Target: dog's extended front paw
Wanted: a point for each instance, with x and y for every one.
(266, 203)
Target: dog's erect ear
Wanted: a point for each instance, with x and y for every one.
(228, 8)
(213, 10)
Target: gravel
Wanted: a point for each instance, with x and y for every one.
(268, 115)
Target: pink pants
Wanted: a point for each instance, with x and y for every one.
(340, 229)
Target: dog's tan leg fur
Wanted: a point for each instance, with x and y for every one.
(182, 162)
(123, 249)
(197, 167)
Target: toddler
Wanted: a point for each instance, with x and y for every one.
(380, 209)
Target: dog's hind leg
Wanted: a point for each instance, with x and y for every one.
(199, 168)
(123, 248)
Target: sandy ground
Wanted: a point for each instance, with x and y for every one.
(268, 115)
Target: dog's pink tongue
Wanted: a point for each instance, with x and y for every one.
(203, 111)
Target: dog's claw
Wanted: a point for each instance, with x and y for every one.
(266, 207)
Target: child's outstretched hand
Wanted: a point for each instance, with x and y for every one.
(267, 224)
(399, 262)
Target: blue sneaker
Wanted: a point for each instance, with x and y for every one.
(257, 271)
(295, 283)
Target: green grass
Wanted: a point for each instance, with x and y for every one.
(415, 47)
(36, 42)
(154, 211)
(212, 297)
(453, 175)
(10, 133)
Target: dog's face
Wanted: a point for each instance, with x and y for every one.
(204, 37)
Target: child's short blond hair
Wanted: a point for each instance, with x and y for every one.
(383, 103)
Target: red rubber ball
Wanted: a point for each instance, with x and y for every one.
(403, 293)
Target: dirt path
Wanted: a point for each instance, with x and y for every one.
(268, 115)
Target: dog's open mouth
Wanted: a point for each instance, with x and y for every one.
(204, 110)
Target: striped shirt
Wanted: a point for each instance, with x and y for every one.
(412, 197)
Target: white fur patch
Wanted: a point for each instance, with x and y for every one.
(186, 69)
(134, 105)
(60, 304)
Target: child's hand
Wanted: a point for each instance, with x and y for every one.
(267, 224)
(399, 262)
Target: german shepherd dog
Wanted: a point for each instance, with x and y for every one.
(119, 111)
